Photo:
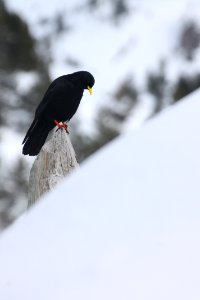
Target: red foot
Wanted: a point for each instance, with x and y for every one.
(62, 125)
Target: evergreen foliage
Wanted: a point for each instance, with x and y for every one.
(18, 52)
(190, 39)
(185, 85)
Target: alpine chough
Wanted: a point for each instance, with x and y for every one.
(59, 104)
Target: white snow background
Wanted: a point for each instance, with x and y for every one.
(112, 51)
(124, 226)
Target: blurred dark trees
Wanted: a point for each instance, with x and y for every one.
(185, 85)
(189, 39)
(13, 190)
(118, 8)
(18, 52)
(166, 93)
(157, 86)
(17, 47)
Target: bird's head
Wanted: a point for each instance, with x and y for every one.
(83, 80)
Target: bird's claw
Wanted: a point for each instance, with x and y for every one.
(61, 125)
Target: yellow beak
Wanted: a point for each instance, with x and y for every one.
(89, 89)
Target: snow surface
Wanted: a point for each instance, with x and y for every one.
(124, 226)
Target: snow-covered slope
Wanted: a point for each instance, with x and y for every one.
(124, 226)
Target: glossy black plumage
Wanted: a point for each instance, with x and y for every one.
(60, 103)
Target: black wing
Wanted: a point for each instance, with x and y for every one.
(56, 89)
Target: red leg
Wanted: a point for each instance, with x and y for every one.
(62, 125)
(65, 126)
(58, 124)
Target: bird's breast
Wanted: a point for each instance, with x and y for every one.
(65, 106)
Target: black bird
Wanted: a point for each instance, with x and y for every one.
(59, 104)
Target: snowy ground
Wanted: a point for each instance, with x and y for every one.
(124, 226)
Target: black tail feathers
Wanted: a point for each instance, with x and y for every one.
(35, 137)
(35, 121)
